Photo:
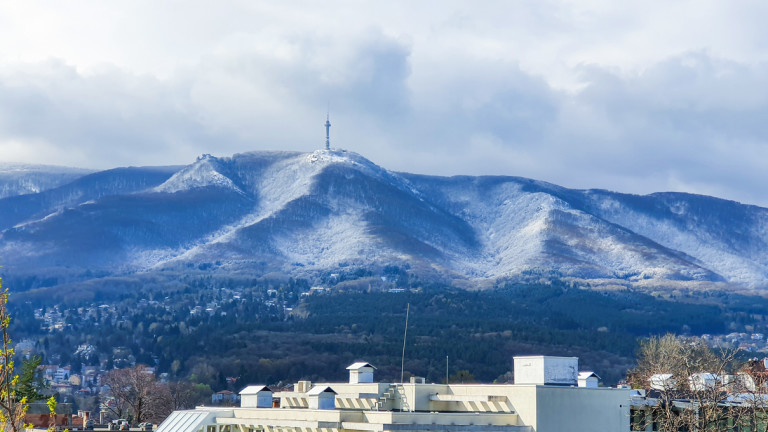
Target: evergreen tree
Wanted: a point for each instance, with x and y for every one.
(30, 381)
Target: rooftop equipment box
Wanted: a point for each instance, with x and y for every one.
(546, 370)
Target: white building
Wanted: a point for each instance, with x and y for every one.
(529, 405)
(703, 381)
(662, 382)
(62, 374)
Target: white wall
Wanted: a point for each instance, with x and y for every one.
(363, 375)
(259, 400)
(546, 370)
(575, 409)
(544, 408)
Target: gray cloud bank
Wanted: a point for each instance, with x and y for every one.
(693, 121)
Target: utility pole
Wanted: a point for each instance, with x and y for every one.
(405, 335)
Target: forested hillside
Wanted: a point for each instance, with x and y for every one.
(268, 331)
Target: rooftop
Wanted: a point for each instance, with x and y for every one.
(415, 406)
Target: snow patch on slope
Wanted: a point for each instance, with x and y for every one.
(339, 238)
(200, 174)
(365, 166)
(518, 230)
(709, 252)
(510, 224)
(280, 183)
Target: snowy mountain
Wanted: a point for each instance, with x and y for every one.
(21, 179)
(307, 214)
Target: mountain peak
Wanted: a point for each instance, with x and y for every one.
(343, 157)
(202, 173)
(306, 214)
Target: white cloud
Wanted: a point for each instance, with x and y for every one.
(632, 96)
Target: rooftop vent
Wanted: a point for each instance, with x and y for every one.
(256, 396)
(302, 386)
(360, 372)
(322, 397)
(588, 379)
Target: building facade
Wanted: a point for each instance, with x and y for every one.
(365, 406)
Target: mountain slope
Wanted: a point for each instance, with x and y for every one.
(22, 179)
(534, 227)
(310, 214)
(118, 181)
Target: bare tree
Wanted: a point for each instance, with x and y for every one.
(172, 396)
(691, 387)
(181, 395)
(749, 387)
(136, 392)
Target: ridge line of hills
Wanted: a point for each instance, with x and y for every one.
(315, 214)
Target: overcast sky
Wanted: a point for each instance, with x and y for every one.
(632, 96)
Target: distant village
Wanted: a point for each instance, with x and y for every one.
(749, 342)
(83, 345)
(81, 382)
(77, 373)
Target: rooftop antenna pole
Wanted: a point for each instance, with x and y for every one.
(446, 370)
(328, 128)
(405, 335)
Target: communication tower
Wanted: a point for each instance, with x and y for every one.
(328, 131)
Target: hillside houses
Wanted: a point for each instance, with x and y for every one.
(64, 381)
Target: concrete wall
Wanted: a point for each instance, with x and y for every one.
(581, 409)
(545, 408)
(523, 399)
(546, 370)
(362, 375)
(323, 401)
(484, 398)
(418, 396)
(261, 399)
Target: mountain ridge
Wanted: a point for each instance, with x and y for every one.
(307, 214)
(21, 179)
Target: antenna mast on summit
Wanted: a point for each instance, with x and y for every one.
(328, 130)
